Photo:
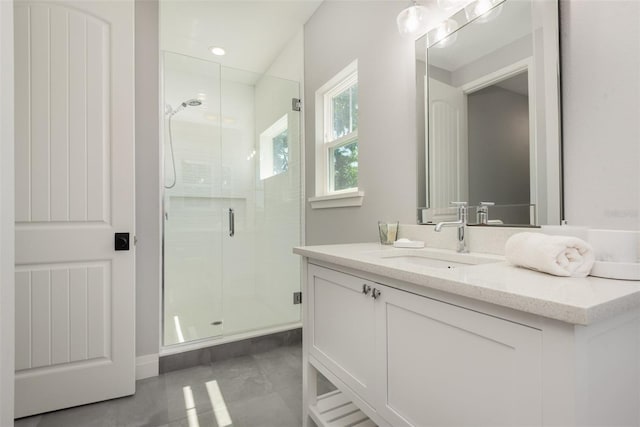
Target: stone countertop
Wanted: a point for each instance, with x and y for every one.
(580, 301)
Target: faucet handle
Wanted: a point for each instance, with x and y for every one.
(487, 203)
(459, 203)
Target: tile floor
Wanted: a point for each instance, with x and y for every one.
(260, 390)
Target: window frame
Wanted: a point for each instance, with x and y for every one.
(325, 144)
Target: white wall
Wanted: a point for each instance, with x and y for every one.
(336, 35)
(600, 43)
(148, 213)
(289, 64)
(6, 216)
(494, 61)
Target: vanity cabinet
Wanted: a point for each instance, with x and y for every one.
(483, 345)
(417, 361)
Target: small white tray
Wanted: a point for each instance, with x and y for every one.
(616, 270)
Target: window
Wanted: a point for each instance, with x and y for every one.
(274, 149)
(337, 137)
(341, 135)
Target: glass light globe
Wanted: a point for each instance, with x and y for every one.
(413, 20)
(483, 10)
(445, 34)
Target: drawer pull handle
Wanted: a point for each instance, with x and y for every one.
(376, 293)
(366, 289)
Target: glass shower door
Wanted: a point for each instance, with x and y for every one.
(261, 179)
(192, 200)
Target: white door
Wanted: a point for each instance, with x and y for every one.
(448, 151)
(75, 296)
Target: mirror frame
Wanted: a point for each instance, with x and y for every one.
(545, 24)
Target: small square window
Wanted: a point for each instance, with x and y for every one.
(280, 152)
(274, 149)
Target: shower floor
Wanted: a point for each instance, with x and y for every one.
(242, 314)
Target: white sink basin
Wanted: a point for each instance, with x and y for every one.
(431, 258)
(425, 262)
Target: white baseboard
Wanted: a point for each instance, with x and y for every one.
(147, 366)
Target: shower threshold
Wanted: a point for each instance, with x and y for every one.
(204, 351)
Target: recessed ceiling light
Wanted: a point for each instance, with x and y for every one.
(217, 50)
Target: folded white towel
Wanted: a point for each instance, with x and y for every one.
(558, 255)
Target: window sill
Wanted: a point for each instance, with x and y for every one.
(341, 200)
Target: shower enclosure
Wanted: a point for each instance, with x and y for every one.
(232, 202)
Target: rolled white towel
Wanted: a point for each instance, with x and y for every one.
(558, 255)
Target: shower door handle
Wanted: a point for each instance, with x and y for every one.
(232, 222)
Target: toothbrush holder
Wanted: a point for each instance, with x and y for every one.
(388, 232)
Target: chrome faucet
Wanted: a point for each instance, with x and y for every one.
(461, 223)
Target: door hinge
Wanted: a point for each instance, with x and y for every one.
(296, 104)
(297, 297)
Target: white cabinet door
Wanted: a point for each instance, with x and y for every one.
(342, 327)
(74, 165)
(443, 365)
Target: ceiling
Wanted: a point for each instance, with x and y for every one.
(253, 32)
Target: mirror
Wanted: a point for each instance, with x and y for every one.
(488, 114)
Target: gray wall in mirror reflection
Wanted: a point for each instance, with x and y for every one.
(498, 123)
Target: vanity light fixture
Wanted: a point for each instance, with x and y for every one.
(218, 51)
(412, 21)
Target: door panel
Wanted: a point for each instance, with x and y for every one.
(75, 296)
(65, 102)
(265, 196)
(65, 310)
(193, 207)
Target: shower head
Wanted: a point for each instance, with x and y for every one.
(192, 103)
